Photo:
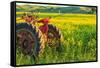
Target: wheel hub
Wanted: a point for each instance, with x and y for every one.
(26, 41)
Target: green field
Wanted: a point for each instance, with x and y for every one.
(78, 42)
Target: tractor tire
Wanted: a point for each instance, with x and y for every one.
(27, 39)
(53, 37)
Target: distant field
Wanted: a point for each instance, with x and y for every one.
(78, 42)
(67, 18)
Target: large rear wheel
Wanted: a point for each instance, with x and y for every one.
(27, 40)
(53, 37)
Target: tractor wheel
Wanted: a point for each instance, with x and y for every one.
(53, 36)
(27, 39)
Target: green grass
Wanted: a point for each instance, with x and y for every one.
(79, 44)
